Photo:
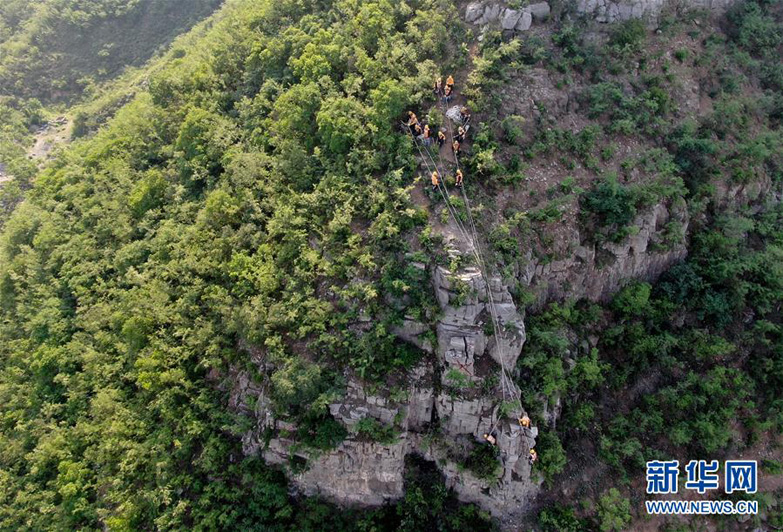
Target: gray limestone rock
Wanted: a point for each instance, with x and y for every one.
(474, 11)
(461, 335)
(540, 11)
(524, 22)
(362, 473)
(621, 10)
(413, 332)
(596, 271)
(509, 19)
(491, 13)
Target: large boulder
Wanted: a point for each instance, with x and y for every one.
(491, 14)
(509, 19)
(524, 22)
(474, 11)
(540, 11)
(364, 473)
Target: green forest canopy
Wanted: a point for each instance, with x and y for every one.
(257, 192)
(232, 201)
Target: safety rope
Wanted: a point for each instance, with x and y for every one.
(444, 193)
(507, 384)
(506, 387)
(505, 374)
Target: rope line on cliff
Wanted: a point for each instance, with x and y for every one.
(496, 325)
(507, 387)
(507, 384)
(441, 187)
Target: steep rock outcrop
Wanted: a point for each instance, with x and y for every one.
(356, 473)
(466, 311)
(595, 271)
(484, 13)
(608, 11)
(369, 473)
(510, 496)
(620, 10)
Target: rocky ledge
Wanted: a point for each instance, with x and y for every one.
(607, 11)
(483, 13)
(441, 413)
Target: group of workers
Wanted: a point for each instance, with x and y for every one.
(445, 92)
(436, 179)
(424, 133)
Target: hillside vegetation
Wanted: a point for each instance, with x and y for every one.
(54, 50)
(255, 193)
(56, 53)
(256, 197)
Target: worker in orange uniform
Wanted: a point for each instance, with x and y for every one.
(426, 136)
(458, 176)
(464, 115)
(447, 94)
(438, 88)
(435, 180)
(441, 138)
(413, 121)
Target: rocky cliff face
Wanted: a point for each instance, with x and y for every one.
(366, 472)
(459, 391)
(456, 395)
(484, 13)
(595, 271)
(619, 10)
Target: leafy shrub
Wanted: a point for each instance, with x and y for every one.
(681, 54)
(483, 461)
(457, 379)
(612, 204)
(559, 518)
(614, 511)
(511, 128)
(753, 29)
(633, 299)
(628, 34)
(552, 456)
(321, 431)
(373, 430)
